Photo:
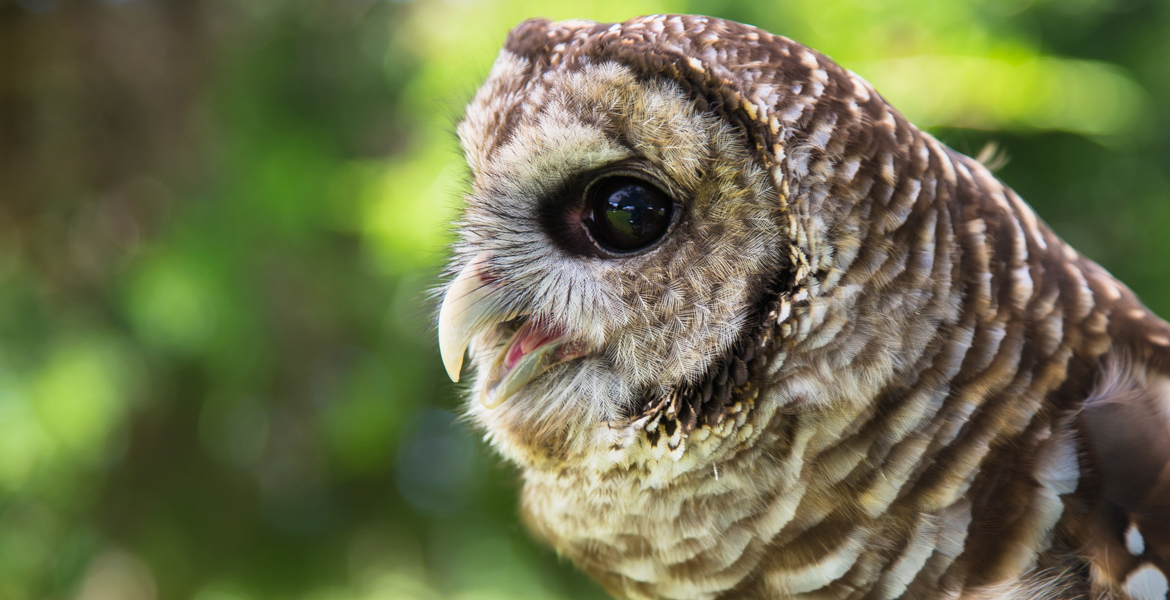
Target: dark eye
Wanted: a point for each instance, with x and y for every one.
(626, 214)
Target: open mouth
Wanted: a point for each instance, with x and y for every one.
(472, 307)
(531, 351)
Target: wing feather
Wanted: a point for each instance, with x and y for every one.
(1125, 425)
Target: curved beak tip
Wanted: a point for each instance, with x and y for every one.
(452, 361)
(453, 335)
(463, 314)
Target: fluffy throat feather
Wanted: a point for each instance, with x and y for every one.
(735, 377)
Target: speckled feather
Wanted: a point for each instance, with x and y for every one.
(859, 367)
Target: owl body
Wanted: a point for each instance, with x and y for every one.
(842, 360)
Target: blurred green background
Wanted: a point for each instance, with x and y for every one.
(219, 222)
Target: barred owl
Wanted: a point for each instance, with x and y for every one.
(748, 333)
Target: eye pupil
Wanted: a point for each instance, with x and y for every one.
(629, 214)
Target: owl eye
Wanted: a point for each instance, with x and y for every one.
(626, 214)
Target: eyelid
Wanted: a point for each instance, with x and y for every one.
(635, 171)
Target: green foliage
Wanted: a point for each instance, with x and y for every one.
(221, 223)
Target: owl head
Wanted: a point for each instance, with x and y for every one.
(649, 202)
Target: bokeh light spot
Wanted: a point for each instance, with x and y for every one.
(81, 394)
(173, 305)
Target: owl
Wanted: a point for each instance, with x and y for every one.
(748, 333)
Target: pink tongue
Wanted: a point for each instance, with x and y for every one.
(530, 337)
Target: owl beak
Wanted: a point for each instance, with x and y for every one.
(473, 305)
(468, 308)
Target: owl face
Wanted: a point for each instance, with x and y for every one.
(614, 246)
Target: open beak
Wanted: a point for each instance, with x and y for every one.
(474, 305)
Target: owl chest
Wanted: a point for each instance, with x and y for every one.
(754, 527)
(686, 541)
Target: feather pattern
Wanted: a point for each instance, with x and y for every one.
(859, 365)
